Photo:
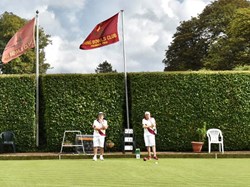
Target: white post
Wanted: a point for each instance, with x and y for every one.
(125, 70)
(37, 79)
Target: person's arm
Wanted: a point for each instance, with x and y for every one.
(144, 124)
(153, 123)
(105, 126)
(95, 126)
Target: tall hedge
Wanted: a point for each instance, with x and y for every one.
(17, 109)
(72, 102)
(181, 102)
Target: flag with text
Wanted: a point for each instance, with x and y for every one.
(104, 33)
(22, 41)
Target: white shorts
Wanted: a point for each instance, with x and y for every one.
(149, 140)
(98, 141)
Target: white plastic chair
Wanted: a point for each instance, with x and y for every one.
(215, 137)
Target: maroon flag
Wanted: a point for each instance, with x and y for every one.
(20, 42)
(104, 33)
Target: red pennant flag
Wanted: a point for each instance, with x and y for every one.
(104, 33)
(20, 42)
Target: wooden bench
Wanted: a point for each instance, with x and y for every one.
(87, 142)
(84, 138)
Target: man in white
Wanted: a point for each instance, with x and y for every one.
(100, 125)
(149, 125)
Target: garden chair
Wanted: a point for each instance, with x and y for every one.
(8, 138)
(215, 137)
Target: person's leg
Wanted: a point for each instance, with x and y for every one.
(154, 150)
(102, 140)
(101, 153)
(149, 152)
(95, 147)
(152, 144)
(146, 140)
(95, 154)
(154, 147)
(95, 151)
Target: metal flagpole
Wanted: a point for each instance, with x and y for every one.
(37, 79)
(125, 71)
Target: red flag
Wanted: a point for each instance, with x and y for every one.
(104, 33)
(20, 42)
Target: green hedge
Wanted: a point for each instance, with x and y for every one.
(72, 102)
(181, 102)
(17, 109)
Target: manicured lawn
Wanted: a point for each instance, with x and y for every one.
(126, 172)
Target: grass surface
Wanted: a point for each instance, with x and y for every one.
(126, 172)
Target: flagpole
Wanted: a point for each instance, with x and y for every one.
(125, 70)
(37, 79)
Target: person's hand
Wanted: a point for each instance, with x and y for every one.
(104, 127)
(96, 128)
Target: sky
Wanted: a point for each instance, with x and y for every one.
(149, 26)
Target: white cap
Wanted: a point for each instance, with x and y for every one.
(147, 113)
(100, 113)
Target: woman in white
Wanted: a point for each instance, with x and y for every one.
(100, 125)
(149, 125)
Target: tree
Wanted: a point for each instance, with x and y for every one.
(182, 53)
(26, 63)
(239, 31)
(199, 39)
(105, 67)
(234, 49)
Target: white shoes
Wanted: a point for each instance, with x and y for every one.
(101, 158)
(95, 158)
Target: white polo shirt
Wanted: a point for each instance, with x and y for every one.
(148, 122)
(100, 124)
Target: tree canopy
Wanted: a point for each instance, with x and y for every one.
(26, 63)
(105, 67)
(217, 39)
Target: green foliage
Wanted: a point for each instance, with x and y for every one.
(239, 26)
(105, 67)
(182, 102)
(242, 68)
(202, 132)
(232, 49)
(25, 64)
(186, 42)
(218, 39)
(72, 102)
(17, 109)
